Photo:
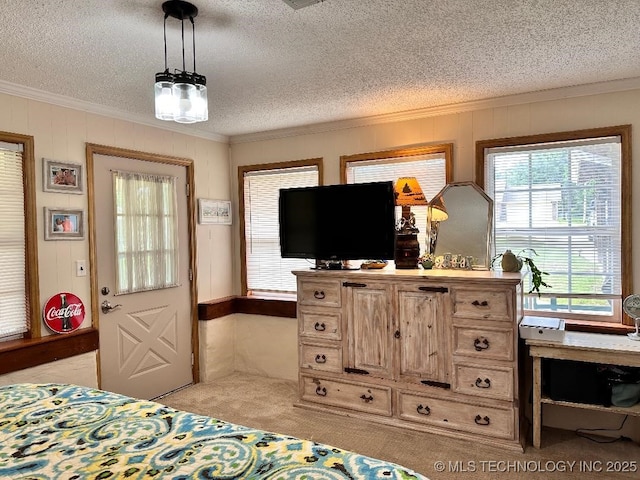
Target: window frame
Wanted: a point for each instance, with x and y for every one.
(444, 148)
(32, 282)
(310, 162)
(622, 131)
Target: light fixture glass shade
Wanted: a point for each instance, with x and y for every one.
(184, 90)
(437, 210)
(201, 103)
(408, 192)
(165, 101)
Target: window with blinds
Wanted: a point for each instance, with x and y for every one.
(14, 319)
(429, 169)
(266, 270)
(560, 204)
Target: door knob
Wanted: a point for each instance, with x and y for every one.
(107, 307)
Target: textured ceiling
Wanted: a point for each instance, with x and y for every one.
(269, 66)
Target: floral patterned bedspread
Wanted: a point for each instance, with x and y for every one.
(54, 431)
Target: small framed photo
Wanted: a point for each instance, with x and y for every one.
(214, 211)
(61, 177)
(63, 224)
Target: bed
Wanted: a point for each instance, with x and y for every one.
(61, 431)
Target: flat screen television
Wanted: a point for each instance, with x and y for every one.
(338, 222)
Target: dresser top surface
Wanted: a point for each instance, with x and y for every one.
(389, 273)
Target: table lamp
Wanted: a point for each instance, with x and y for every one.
(436, 213)
(408, 193)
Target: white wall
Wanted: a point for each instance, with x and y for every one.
(463, 130)
(61, 134)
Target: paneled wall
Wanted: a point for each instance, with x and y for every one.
(61, 134)
(462, 129)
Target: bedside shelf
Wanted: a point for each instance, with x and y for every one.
(633, 411)
(582, 347)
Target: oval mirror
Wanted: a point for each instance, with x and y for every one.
(467, 231)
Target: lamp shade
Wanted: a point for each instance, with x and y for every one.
(408, 192)
(437, 210)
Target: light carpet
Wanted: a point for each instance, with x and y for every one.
(267, 403)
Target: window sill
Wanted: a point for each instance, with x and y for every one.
(30, 352)
(275, 306)
(597, 327)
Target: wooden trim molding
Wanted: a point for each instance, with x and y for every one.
(91, 150)
(444, 148)
(622, 131)
(20, 354)
(242, 171)
(221, 307)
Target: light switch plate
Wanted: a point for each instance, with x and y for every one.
(81, 268)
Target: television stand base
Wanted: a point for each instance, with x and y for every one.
(333, 265)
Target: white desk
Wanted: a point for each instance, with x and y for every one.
(582, 347)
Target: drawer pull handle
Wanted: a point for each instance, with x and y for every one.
(481, 344)
(366, 398)
(323, 359)
(434, 289)
(320, 327)
(354, 284)
(321, 391)
(483, 303)
(482, 420)
(486, 383)
(319, 294)
(358, 371)
(422, 410)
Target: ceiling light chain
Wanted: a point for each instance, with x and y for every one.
(181, 96)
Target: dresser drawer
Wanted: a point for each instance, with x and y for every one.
(490, 421)
(364, 398)
(319, 292)
(483, 342)
(482, 381)
(321, 357)
(320, 324)
(483, 304)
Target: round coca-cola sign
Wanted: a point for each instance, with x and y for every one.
(63, 313)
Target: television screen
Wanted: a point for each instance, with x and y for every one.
(338, 222)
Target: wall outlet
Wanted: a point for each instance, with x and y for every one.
(81, 268)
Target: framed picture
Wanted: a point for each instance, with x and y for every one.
(61, 177)
(63, 224)
(214, 211)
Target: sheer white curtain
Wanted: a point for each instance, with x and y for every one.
(146, 234)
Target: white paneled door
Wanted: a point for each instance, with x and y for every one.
(145, 337)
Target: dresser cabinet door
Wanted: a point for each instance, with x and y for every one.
(369, 335)
(421, 336)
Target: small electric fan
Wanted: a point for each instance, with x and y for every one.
(631, 307)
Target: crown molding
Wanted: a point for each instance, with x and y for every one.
(68, 102)
(496, 102)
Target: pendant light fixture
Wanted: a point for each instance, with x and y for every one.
(181, 96)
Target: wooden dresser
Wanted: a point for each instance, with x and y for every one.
(430, 350)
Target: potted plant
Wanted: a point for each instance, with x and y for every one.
(511, 262)
(427, 260)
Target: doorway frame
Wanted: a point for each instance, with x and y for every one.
(96, 149)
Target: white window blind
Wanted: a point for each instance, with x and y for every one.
(563, 200)
(13, 307)
(266, 270)
(146, 234)
(428, 169)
